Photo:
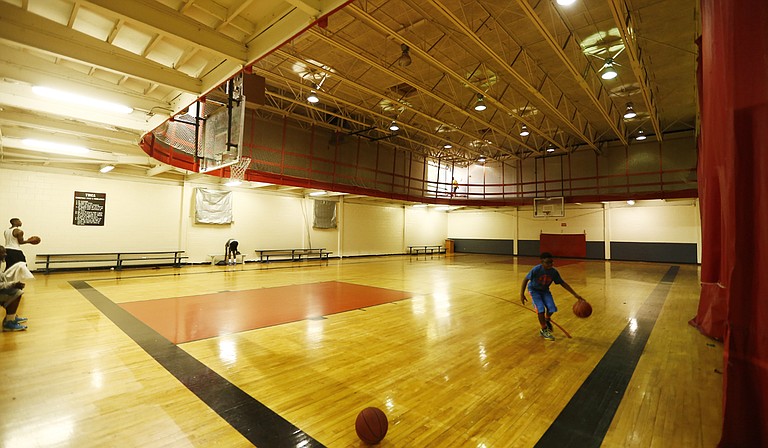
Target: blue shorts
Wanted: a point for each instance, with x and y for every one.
(543, 301)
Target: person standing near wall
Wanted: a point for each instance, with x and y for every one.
(14, 238)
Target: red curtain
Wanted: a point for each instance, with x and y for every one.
(564, 245)
(733, 190)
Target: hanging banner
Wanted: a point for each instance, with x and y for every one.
(89, 209)
(213, 207)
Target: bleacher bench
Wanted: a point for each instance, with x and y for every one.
(116, 260)
(415, 250)
(292, 254)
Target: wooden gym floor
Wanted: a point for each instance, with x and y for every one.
(286, 354)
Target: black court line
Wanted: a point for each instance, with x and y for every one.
(585, 420)
(259, 424)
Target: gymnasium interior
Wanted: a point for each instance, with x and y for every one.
(392, 170)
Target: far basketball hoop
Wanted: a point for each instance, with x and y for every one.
(549, 207)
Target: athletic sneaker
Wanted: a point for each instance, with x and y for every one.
(546, 334)
(10, 325)
(549, 325)
(19, 320)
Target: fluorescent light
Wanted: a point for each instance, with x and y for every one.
(54, 148)
(79, 100)
(106, 168)
(318, 193)
(419, 205)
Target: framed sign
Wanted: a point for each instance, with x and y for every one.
(89, 209)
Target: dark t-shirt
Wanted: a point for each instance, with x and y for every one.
(540, 278)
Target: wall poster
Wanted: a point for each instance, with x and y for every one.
(89, 209)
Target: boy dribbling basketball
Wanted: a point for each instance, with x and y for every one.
(538, 281)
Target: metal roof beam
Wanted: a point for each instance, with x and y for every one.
(521, 81)
(34, 31)
(616, 124)
(624, 22)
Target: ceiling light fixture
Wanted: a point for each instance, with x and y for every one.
(551, 148)
(631, 202)
(312, 98)
(524, 131)
(640, 135)
(55, 148)
(318, 193)
(565, 2)
(393, 126)
(630, 112)
(233, 182)
(405, 59)
(609, 72)
(481, 159)
(79, 100)
(447, 146)
(106, 168)
(480, 104)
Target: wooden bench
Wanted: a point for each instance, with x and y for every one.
(415, 250)
(115, 260)
(311, 253)
(292, 254)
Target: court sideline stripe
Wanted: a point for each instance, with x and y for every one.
(256, 422)
(586, 418)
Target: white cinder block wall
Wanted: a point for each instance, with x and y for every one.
(146, 214)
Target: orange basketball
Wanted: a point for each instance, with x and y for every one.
(34, 240)
(371, 425)
(582, 308)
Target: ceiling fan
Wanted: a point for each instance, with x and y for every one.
(608, 70)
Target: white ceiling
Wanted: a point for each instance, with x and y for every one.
(535, 62)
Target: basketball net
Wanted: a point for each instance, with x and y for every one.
(237, 171)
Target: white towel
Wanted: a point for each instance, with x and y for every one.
(19, 272)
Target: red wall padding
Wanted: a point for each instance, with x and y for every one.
(733, 190)
(564, 245)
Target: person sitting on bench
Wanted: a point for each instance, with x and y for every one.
(10, 297)
(230, 251)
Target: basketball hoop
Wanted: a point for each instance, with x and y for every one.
(237, 171)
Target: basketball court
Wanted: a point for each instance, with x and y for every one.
(288, 356)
